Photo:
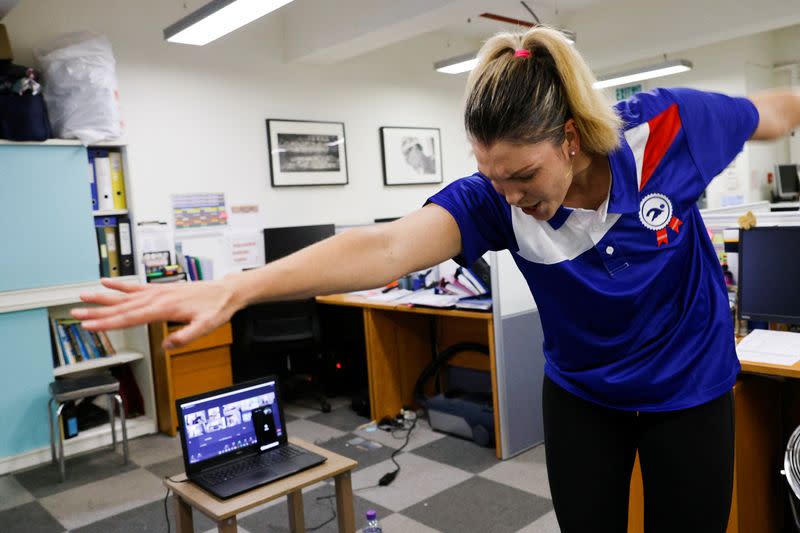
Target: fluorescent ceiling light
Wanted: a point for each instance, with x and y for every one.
(569, 35)
(467, 62)
(645, 73)
(458, 64)
(217, 18)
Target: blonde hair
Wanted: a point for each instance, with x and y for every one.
(528, 99)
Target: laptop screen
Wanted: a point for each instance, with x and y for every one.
(223, 423)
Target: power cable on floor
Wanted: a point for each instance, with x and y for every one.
(166, 497)
(387, 478)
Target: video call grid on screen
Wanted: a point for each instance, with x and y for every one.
(221, 424)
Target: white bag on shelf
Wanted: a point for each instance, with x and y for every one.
(80, 87)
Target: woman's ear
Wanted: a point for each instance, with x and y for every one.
(572, 138)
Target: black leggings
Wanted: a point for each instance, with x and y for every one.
(686, 458)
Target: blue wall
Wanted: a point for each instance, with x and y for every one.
(46, 223)
(26, 369)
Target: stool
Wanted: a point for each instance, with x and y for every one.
(187, 495)
(67, 389)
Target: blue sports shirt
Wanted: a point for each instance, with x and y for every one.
(631, 296)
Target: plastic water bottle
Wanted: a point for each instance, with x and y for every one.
(372, 523)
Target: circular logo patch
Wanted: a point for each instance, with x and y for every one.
(655, 211)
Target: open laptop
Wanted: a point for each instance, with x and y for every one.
(234, 439)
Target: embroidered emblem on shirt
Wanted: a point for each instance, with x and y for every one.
(655, 213)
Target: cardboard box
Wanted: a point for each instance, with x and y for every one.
(5, 45)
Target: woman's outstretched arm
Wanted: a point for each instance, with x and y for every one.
(361, 258)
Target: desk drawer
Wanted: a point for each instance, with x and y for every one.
(196, 372)
(218, 337)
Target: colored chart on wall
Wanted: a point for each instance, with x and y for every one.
(200, 210)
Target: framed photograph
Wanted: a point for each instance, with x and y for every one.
(411, 155)
(306, 153)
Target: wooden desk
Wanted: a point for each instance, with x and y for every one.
(398, 349)
(765, 369)
(200, 366)
(756, 505)
(223, 512)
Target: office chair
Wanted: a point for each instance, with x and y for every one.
(281, 338)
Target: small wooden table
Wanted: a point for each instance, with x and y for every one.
(187, 495)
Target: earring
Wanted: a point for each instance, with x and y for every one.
(572, 153)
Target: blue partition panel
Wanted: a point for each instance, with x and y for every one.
(26, 368)
(46, 223)
(520, 373)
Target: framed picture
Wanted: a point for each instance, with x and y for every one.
(411, 155)
(306, 153)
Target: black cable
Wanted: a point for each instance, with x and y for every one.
(387, 478)
(166, 511)
(329, 520)
(433, 325)
(329, 497)
(396, 431)
(166, 497)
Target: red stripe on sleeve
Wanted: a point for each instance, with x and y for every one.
(663, 129)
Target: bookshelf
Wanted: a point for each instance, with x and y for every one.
(59, 142)
(110, 212)
(111, 360)
(48, 221)
(23, 299)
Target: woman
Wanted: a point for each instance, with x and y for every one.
(598, 207)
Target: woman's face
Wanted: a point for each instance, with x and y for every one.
(533, 177)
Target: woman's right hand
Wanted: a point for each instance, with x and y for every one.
(202, 305)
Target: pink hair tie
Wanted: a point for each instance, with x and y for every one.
(521, 52)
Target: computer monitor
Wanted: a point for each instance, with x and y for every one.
(769, 274)
(280, 242)
(787, 184)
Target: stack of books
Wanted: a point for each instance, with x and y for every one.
(471, 284)
(198, 268)
(73, 344)
(472, 290)
(463, 290)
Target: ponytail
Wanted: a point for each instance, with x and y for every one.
(521, 98)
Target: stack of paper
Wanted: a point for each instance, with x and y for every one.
(388, 296)
(772, 347)
(481, 303)
(430, 298)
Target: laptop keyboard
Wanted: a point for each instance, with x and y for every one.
(269, 458)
